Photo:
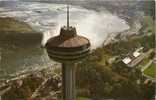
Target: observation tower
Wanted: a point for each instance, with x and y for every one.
(68, 48)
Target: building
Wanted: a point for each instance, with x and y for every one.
(133, 59)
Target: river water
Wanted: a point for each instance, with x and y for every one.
(48, 18)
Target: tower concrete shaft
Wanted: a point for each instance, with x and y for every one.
(68, 79)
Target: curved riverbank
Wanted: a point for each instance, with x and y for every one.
(20, 47)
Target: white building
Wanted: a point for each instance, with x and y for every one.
(136, 54)
(127, 60)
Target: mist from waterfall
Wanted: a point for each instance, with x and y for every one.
(48, 19)
(96, 26)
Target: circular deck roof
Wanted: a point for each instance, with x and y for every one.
(65, 42)
(68, 45)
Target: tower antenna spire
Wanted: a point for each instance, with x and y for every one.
(67, 16)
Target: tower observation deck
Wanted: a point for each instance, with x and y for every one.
(68, 48)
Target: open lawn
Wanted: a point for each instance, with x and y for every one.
(143, 63)
(83, 98)
(150, 71)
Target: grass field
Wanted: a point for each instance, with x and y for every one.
(83, 98)
(143, 63)
(150, 71)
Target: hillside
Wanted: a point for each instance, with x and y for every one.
(17, 32)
